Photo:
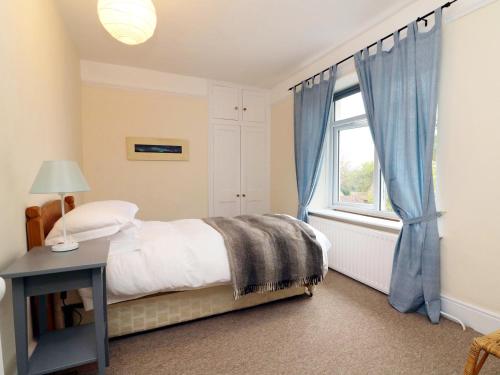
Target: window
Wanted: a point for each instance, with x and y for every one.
(356, 164)
(357, 183)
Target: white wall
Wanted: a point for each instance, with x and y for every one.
(467, 153)
(39, 120)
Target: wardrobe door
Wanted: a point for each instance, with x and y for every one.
(254, 105)
(226, 170)
(254, 170)
(225, 101)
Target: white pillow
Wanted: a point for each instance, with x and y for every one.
(93, 220)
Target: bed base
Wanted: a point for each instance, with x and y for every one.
(163, 310)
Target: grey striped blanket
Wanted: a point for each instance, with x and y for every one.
(269, 252)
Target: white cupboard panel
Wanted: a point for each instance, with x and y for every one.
(254, 106)
(254, 170)
(226, 170)
(225, 103)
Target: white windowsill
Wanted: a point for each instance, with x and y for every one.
(357, 219)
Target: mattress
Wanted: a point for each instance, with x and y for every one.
(157, 257)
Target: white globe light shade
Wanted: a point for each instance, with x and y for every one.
(129, 21)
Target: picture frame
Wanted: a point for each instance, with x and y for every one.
(157, 149)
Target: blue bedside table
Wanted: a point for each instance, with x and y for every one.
(42, 271)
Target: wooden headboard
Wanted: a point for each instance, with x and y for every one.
(41, 219)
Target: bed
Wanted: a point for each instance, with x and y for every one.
(137, 313)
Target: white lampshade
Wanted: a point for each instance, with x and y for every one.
(129, 21)
(59, 176)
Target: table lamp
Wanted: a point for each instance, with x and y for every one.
(61, 177)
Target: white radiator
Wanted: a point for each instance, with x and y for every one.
(361, 253)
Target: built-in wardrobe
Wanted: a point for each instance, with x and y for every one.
(239, 155)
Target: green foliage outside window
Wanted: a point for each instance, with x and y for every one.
(357, 183)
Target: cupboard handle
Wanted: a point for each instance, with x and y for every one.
(244, 195)
(244, 108)
(238, 195)
(236, 108)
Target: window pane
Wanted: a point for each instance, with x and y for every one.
(356, 164)
(350, 106)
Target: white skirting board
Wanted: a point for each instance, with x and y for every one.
(366, 254)
(474, 317)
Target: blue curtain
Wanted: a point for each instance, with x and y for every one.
(311, 112)
(399, 89)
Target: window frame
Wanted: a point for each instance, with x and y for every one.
(375, 209)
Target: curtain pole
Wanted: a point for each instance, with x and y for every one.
(422, 18)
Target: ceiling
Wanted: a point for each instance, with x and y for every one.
(254, 42)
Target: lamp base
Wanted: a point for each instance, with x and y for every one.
(66, 246)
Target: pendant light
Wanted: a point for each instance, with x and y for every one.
(129, 21)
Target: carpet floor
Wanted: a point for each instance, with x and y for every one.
(346, 328)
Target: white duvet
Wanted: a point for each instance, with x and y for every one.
(157, 256)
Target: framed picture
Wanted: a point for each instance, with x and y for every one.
(157, 149)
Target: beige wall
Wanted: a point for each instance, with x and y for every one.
(39, 120)
(468, 155)
(163, 190)
(283, 182)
